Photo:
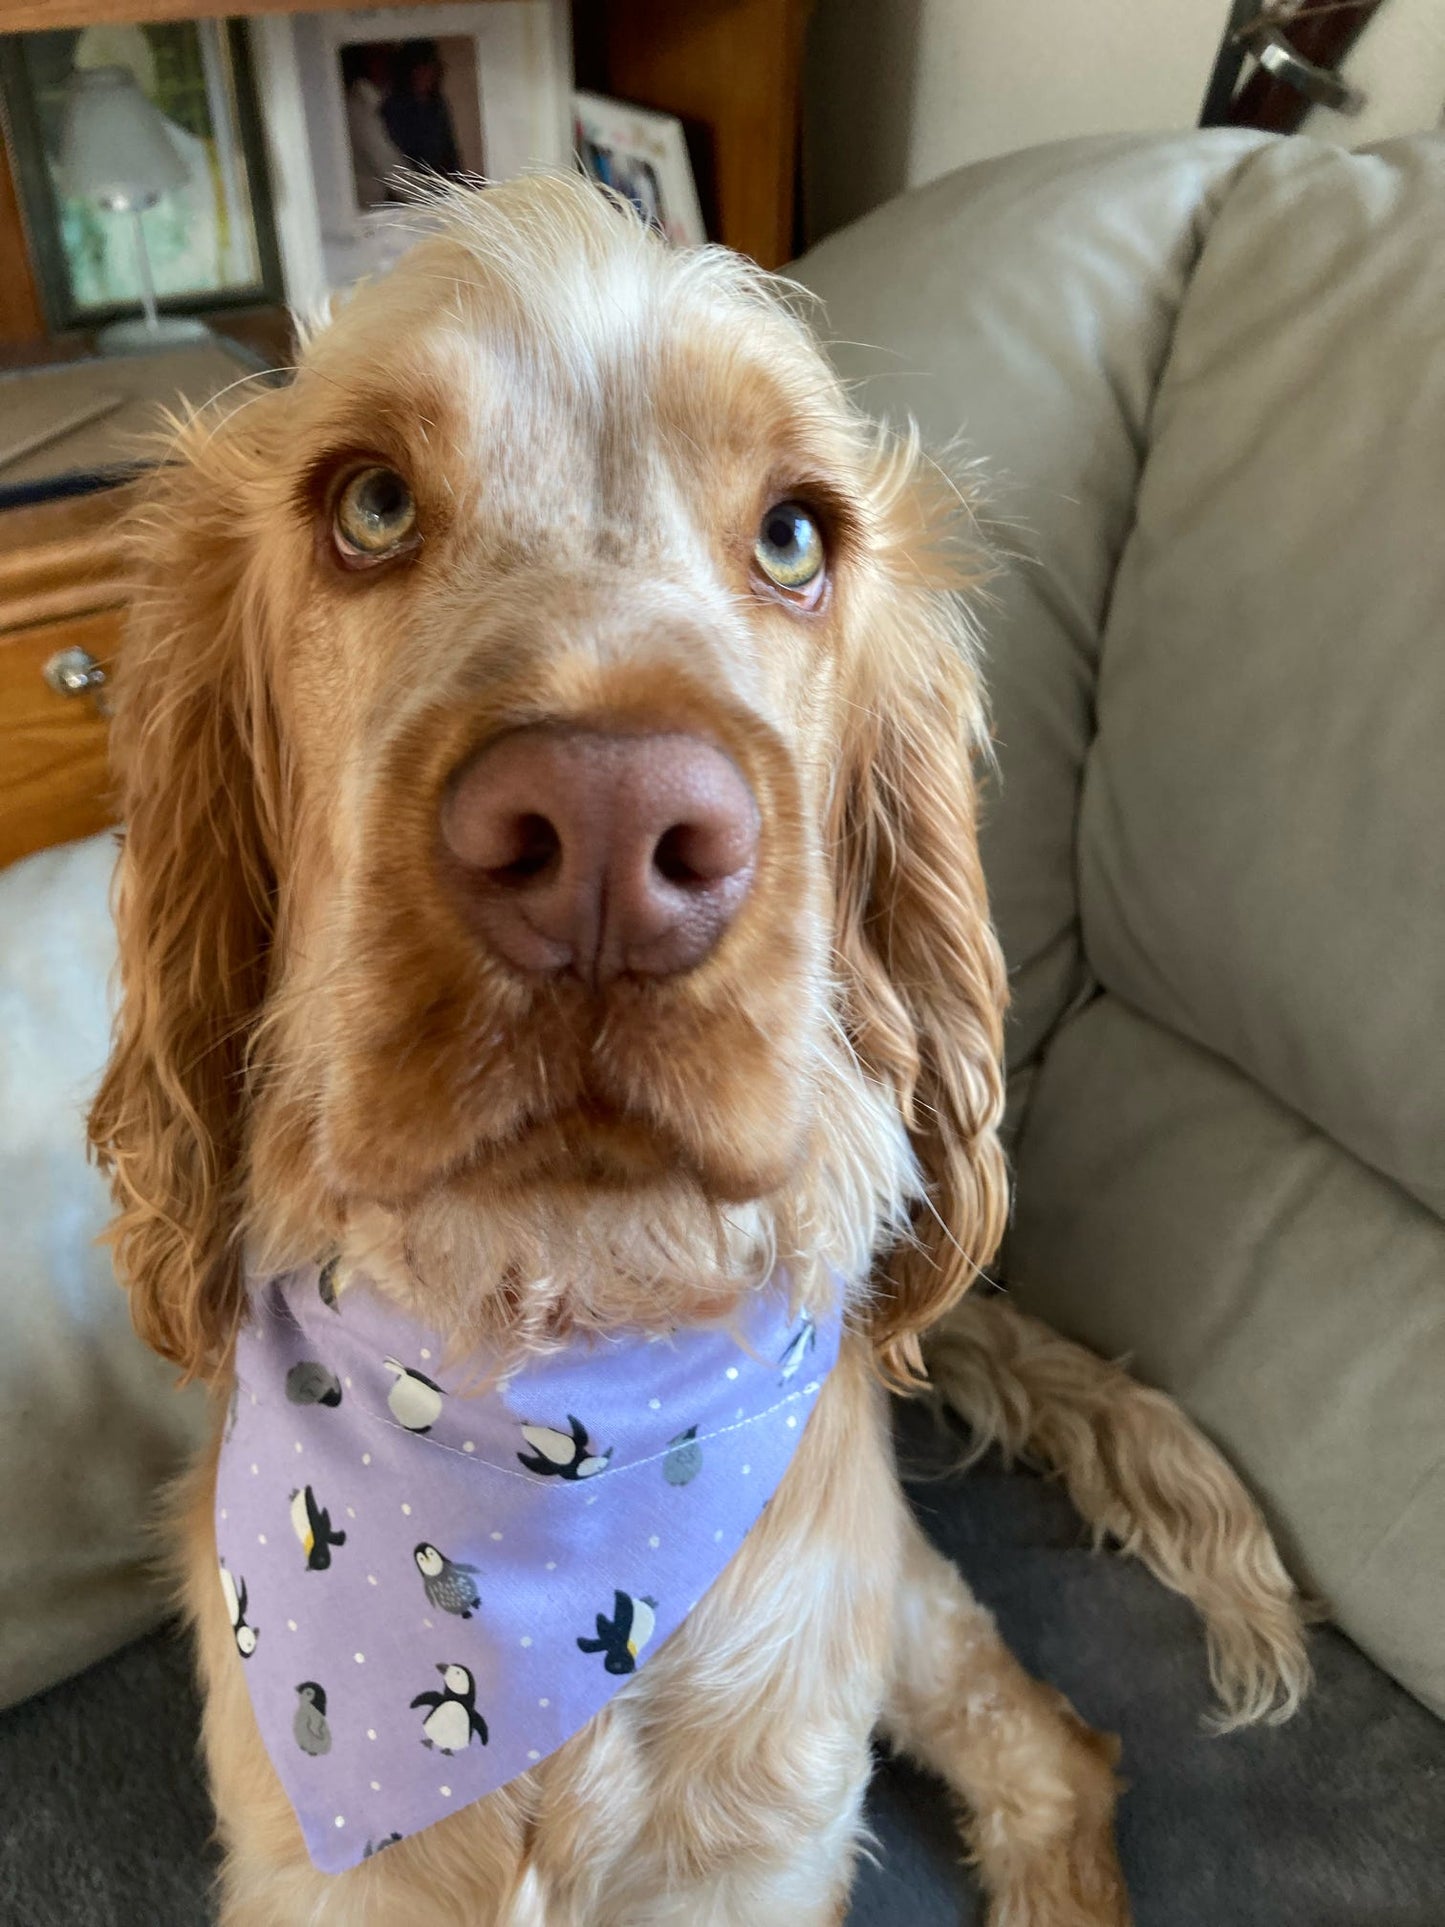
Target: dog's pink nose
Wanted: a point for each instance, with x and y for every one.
(598, 854)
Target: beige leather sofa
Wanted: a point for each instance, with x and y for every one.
(1206, 379)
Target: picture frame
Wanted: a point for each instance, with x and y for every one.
(212, 242)
(519, 77)
(641, 155)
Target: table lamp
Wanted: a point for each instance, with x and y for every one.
(114, 149)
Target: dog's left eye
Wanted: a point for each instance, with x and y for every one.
(789, 549)
(374, 516)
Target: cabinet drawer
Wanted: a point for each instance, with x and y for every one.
(54, 778)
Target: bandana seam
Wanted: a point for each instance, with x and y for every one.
(558, 1488)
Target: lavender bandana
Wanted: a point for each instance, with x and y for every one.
(435, 1578)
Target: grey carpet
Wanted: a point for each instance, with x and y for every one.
(1337, 1820)
(105, 1816)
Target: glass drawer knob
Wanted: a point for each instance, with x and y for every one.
(74, 672)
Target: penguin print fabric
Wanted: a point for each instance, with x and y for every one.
(435, 1576)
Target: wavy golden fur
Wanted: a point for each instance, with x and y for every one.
(314, 1052)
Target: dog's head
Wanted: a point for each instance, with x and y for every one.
(545, 734)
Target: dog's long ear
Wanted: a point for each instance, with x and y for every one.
(194, 753)
(924, 979)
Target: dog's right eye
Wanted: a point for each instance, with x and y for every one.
(374, 517)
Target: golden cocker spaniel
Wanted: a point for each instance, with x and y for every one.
(550, 883)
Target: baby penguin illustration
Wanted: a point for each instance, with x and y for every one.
(623, 1637)
(449, 1584)
(234, 1591)
(453, 1721)
(313, 1735)
(310, 1383)
(683, 1459)
(415, 1401)
(312, 1525)
(560, 1455)
(797, 1348)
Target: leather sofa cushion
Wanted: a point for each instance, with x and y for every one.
(1260, 845)
(1022, 311)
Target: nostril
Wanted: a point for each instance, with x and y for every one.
(717, 845)
(500, 838)
(531, 846)
(677, 856)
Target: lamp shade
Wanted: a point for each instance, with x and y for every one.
(114, 146)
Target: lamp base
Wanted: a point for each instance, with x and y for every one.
(139, 336)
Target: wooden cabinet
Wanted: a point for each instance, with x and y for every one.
(61, 588)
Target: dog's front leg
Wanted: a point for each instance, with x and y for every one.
(1038, 1783)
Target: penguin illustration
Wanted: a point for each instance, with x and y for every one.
(232, 1409)
(797, 1348)
(623, 1637)
(312, 1525)
(449, 1585)
(558, 1455)
(313, 1735)
(683, 1459)
(234, 1591)
(415, 1401)
(310, 1383)
(377, 1846)
(453, 1721)
(328, 1283)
